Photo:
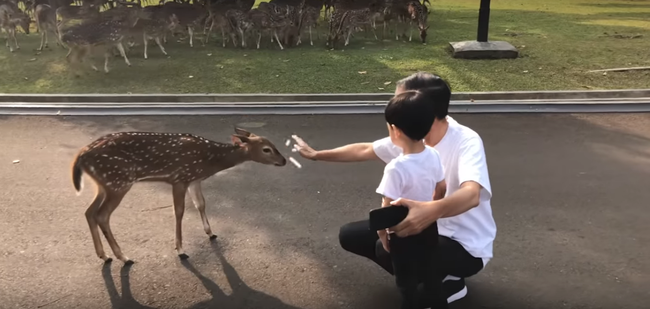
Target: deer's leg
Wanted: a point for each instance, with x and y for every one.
(311, 41)
(103, 217)
(157, 39)
(13, 33)
(178, 193)
(123, 53)
(196, 193)
(243, 38)
(91, 215)
(191, 33)
(145, 41)
(275, 33)
(410, 32)
(42, 40)
(259, 38)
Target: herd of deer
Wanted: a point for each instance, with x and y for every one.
(104, 25)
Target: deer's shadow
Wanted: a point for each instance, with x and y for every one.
(242, 297)
(126, 300)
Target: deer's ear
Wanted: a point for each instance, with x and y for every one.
(243, 132)
(239, 139)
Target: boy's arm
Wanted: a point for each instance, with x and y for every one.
(390, 186)
(440, 191)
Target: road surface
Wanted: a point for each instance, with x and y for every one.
(571, 200)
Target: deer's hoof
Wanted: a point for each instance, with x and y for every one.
(129, 262)
(183, 256)
(213, 237)
(107, 260)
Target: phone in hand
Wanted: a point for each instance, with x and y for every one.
(385, 217)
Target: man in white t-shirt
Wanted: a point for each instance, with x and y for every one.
(464, 216)
(417, 174)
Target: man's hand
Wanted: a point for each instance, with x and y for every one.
(383, 236)
(421, 215)
(304, 149)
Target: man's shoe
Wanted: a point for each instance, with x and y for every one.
(454, 288)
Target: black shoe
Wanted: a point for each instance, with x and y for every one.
(454, 289)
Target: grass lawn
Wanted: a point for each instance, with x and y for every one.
(559, 41)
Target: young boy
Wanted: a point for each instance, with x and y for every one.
(416, 174)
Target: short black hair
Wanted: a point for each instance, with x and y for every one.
(411, 112)
(436, 86)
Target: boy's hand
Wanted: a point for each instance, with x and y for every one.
(383, 236)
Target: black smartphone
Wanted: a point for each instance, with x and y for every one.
(385, 217)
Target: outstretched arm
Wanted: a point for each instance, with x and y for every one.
(356, 152)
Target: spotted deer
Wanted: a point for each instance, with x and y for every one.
(83, 39)
(309, 18)
(9, 20)
(155, 29)
(418, 14)
(344, 22)
(45, 19)
(115, 162)
(264, 21)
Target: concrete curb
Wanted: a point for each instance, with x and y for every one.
(316, 108)
(308, 98)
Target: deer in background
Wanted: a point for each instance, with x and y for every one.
(115, 162)
(45, 18)
(155, 29)
(83, 39)
(10, 18)
(418, 16)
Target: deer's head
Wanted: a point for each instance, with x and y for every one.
(260, 149)
(173, 22)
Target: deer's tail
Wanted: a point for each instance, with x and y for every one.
(77, 172)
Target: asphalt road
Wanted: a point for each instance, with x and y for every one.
(571, 200)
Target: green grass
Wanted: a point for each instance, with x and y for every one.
(559, 41)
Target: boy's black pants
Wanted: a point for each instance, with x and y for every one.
(414, 261)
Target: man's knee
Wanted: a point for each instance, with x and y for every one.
(346, 237)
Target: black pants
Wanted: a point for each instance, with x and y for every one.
(450, 257)
(414, 262)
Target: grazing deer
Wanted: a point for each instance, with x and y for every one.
(115, 162)
(418, 15)
(83, 39)
(309, 17)
(45, 18)
(155, 29)
(263, 21)
(68, 13)
(9, 20)
(347, 21)
(219, 19)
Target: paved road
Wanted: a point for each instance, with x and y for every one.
(570, 198)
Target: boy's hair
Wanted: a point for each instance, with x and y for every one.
(433, 84)
(411, 112)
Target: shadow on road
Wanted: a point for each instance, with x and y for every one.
(242, 295)
(126, 300)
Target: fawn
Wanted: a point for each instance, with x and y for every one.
(115, 162)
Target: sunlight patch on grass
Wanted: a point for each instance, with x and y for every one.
(57, 68)
(642, 24)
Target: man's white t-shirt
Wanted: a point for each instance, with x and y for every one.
(413, 176)
(463, 158)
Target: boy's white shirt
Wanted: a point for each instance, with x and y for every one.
(462, 155)
(412, 176)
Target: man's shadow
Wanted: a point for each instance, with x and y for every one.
(242, 297)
